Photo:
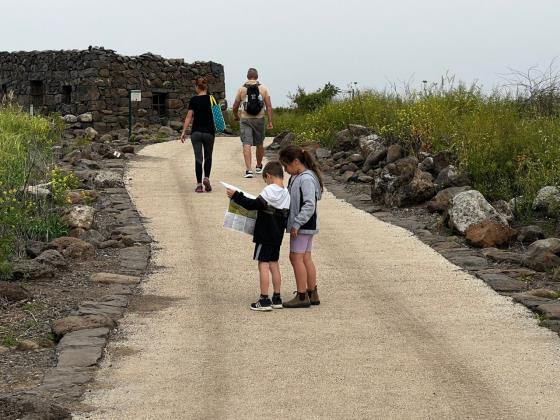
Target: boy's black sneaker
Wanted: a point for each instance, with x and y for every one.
(277, 302)
(262, 305)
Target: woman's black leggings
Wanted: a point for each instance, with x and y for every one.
(202, 142)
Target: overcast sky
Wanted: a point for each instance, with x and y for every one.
(305, 43)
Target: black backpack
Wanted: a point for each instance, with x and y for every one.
(254, 104)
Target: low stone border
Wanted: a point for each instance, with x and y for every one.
(84, 333)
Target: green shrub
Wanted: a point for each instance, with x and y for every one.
(508, 147)
(26, 154)
(307, 102)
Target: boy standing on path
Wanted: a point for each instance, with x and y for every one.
(273, 206)
(255, 98)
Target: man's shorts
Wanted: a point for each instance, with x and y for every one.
(301, 244)
(252, 131)
(266, 253)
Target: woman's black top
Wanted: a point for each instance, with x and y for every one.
(203, 121)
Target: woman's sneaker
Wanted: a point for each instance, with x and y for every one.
(299, 301)
(198, 189)
(262, 305)
(258, 169)
(277, 302)
(248, 174)
(207, 185)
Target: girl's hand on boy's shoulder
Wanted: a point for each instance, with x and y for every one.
(230, 192)
(294, 233)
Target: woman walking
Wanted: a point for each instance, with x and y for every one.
(202, 133)
(305, 187)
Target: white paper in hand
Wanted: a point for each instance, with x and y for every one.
(238, 218)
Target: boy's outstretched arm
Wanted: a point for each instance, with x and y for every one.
(258, 203)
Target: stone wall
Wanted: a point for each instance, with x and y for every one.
(97, 81)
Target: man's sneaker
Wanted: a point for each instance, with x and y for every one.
(276, 302)
(207, 185)
(262, 305)
(248, 174)
(314, 296)
(298, 302)
(259, 169)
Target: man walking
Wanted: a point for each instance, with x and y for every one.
(255, 99)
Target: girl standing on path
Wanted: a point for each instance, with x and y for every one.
(306, 187)
(202, 133)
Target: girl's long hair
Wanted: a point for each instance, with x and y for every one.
(291, 152)
(202, 83)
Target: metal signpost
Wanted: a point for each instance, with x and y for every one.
(133, 96)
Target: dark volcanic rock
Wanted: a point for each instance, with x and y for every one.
(530, 234)
(28, 407)
(31, 269)
(13, 292)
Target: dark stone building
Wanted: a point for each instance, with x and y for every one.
(97, 82)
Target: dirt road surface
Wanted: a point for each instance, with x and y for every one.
(401, 333)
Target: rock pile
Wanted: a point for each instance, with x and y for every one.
(399, 180)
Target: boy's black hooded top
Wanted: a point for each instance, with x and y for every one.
(270, 225)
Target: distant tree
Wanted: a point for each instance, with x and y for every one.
(308, 102)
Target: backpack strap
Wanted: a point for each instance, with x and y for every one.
(247, 85)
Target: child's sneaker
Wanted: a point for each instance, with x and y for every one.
(277, 302)
(248, 174)
(262, 305)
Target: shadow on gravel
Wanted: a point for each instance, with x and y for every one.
(151, 303)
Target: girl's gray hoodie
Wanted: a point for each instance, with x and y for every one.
(305, 192)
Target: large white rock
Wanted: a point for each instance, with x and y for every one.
(166, 131)
(368, 144)
(548, 200)
(80, 216)
(39, 191)
(70, 119)
(91, 133)
(85, 118)
(469, 208)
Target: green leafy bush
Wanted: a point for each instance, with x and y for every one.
(508, 146)
(307, 102)
(26, 154)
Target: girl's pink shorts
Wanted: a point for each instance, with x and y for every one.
(301, 244)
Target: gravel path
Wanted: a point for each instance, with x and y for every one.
(401, 332)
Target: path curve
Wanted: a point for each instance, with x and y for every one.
(401, 332)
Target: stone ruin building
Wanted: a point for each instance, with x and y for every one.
(96, 82)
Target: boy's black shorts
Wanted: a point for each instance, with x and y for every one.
(266, 253)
